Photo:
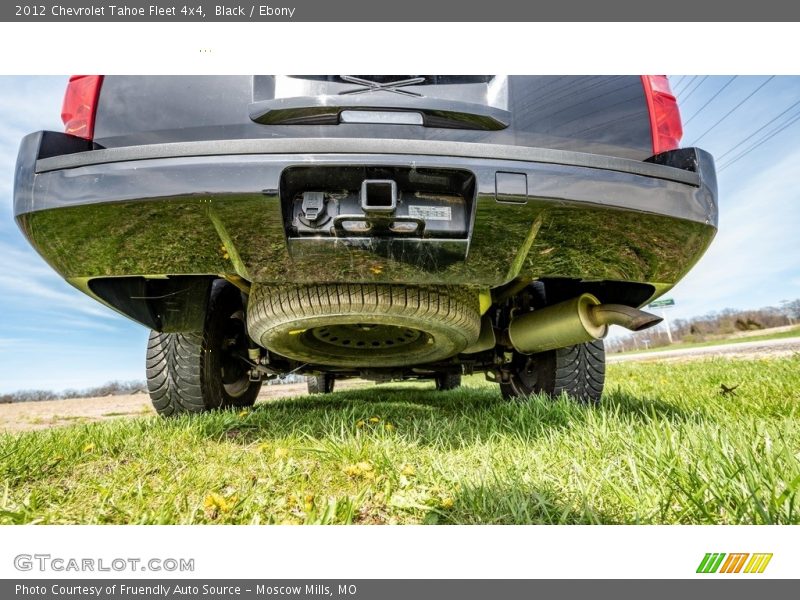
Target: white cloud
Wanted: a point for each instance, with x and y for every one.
(51, 335)
(31, 284)
(754, 258)
(27, 104)
(11, 342)
(32, 101)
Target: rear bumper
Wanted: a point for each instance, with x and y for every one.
(213, 208)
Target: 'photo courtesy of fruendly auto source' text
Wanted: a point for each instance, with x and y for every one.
(400, 299)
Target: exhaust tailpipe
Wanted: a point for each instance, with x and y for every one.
(575, 321)
(626, 316)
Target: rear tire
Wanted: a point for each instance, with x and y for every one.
(320, 384)
(448, 381)
(578, 371)
(197, 372)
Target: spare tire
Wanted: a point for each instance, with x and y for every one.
(363, 325)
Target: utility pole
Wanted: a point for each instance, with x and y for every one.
(666, 322)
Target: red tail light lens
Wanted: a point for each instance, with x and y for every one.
(80, 105)
(665, 118)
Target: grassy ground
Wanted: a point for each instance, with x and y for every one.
(665, 447)
(791, 333)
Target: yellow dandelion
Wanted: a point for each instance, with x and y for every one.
(374, 420)
(352, 471)
(447, 503)
(281, 452)
(214, 504)
(362, 469)
(88, 448)
(389, 427)
(242, 414)
(408, 471)
(360, 424)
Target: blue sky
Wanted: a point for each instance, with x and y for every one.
(53, 337)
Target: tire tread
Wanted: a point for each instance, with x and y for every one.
(176, 368)
(577, 371)
(274, 308)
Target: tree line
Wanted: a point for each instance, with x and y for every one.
(711, 326)
(112, 388)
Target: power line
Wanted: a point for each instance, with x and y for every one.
(687, 83)
(738, 145)
(710, 100)
(771, 135)
(772, 132)
(764, 140)
(694, 89)
(792, 120)
(689, 88)
(734, 109)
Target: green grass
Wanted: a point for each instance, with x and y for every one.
(664, 447)
(791, 333)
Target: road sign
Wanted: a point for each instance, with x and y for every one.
(664, 302)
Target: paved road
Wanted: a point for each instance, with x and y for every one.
(778, 347)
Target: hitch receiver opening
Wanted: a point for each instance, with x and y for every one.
(378, 196)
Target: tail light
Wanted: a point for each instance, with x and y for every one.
(80, 105)
(665, 118)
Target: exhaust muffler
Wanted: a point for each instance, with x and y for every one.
(576, 321)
